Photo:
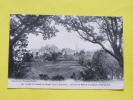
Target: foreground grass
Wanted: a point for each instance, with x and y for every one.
(63, 68)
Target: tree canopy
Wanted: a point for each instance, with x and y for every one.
(22, 25)
(110, 29)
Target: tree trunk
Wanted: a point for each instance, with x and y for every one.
(11, 61)
(120, 61)
(119, 55)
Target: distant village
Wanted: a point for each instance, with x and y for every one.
(52, 48)
(64, 54)
(51, 53)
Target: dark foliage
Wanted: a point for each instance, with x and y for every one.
(28, 57)
(88, 74)
(54, 56)
(76, 76)
(105, 66)
(43, 76)
(20, 27)
(91, 75)
(84, 61)
(51, 57)
(73, 76)
(81, 60)
(58, 77)
(20, 70)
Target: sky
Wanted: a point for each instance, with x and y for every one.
(63, 39)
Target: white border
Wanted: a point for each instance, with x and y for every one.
(67, 84)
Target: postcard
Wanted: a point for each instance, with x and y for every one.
(66, 52)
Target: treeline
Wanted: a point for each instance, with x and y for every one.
(97, 66)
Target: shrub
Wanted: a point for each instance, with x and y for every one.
(43, 76)
(81, 59)
(85, 60)
(51, 57)
(73, 76)
(54, 56)
(88, 74)
(76, 76)
(20, 70)
(105, 65)
(58, 77)
(28, 57)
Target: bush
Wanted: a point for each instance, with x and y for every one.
(28, 57)
(105, 65)
(88, 74)
(73, 76)
(20, 70)
(58, 77)
(43, 76)
(50, 57)
(76, 76)
(84, 60)
(81, 60)
(54, 56)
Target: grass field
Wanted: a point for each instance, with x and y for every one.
(63, 68)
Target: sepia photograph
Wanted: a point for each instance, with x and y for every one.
(66, 52)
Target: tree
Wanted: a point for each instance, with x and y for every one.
(110, 29)
(105, 65)
(82, 52)
(23, 25)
